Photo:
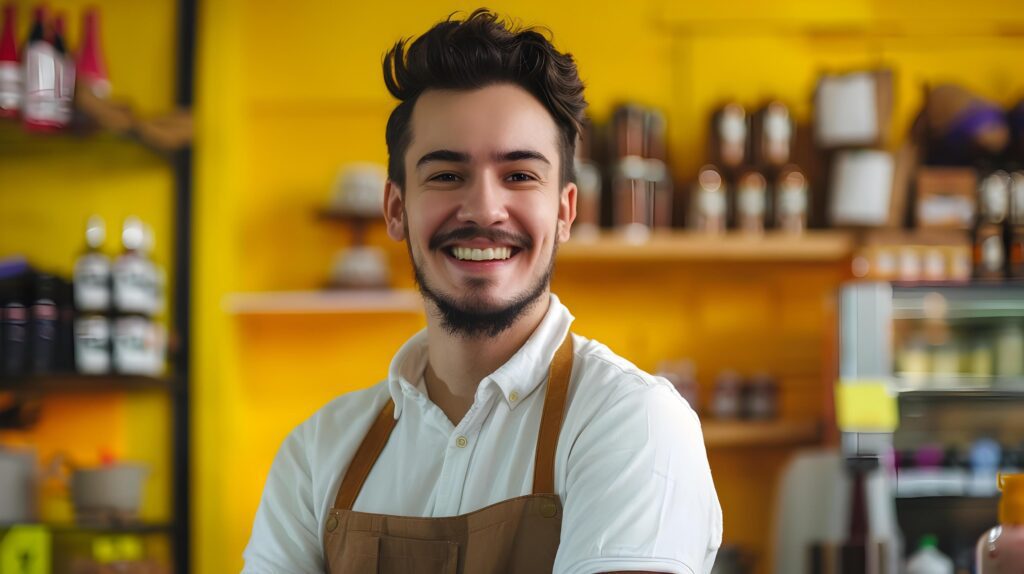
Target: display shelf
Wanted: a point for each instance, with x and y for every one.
(79, 529)
(324, 302)
(76, 383)
(732, 434)
(959, 387)
(334, 215)
(814, 246)
(975, 300)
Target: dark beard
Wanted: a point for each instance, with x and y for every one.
(473, 321)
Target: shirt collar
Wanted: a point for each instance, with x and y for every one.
(517, 378)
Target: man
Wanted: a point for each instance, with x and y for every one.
(500, 441)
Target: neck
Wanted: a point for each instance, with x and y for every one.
(459, 363)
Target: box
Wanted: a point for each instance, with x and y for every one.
(853, 110)
(946, 198)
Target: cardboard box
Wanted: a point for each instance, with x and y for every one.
(946, 198)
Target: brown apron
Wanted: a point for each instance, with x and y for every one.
(519, 535)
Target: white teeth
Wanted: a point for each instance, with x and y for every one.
(489, 254)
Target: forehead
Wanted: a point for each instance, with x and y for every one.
(494, 118)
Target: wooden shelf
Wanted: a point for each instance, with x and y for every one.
(813, 246)
(732, 434)
(75, 383)
(86, 529)
(324, 302)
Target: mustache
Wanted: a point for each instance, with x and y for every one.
(475, 232)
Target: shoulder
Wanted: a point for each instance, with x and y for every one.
(347, 415)
(601, 378)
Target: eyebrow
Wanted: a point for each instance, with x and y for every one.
(462, 157)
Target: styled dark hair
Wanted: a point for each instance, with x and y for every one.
(475, 53)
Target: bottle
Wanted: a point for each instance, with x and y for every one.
(134, 275)
(791, 201)
(1000, 550)
(751, 203)
(10, 67)
(66, 72)
(43, 318)
(92, 66)
(41, 110)
(928, 559)
(709, 205)
(13, 327)
(91, 274)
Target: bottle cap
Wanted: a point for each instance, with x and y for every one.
(95, 232)
(928, 541)
(133, 233)
(1011, 505)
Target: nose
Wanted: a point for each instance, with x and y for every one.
(483, 203)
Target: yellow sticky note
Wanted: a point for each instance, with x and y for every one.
(25, 550)
(866, 406)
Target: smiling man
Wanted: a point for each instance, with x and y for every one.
(500, 441)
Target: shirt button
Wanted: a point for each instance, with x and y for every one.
(461, 442)
(513, 396)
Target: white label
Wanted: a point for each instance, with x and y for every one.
(136, 286)
(992, 254)
(92, 345)
(793, 200)
(138, 346)
(10, 86)
(42, 95)
(732, 128)
(712, 203)
(777, 128)
(945, 210)
(92, 282)
(862, 188)
(847, 110)
(934, 264)
(1017, 198)
(751, 202)
(995, 198)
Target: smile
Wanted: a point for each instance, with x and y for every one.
(488, 254)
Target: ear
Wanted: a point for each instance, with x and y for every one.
(566, 211)
(394, 211)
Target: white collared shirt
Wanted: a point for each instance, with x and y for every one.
(630, 465)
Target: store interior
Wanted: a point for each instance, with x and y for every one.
(808, 216)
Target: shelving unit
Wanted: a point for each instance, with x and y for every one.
(129, 136)
(814, 246)
(74, 383)
(734, 434)
(324, 302)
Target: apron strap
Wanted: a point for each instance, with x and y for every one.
(547, 438)
(366, 457)
(551, 419)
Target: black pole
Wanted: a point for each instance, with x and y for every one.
(182, 326)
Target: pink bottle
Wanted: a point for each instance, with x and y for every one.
(1001, 549)
(10, 68)
(92, 66)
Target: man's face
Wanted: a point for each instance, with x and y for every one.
(482, 211)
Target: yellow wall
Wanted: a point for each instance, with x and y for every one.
(289, 92)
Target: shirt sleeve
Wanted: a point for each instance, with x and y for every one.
(638, 491)
(285, 535)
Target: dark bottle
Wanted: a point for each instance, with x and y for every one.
(43, 328)
(857, 553)
(13, 326)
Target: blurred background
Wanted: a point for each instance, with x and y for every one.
(808, 216)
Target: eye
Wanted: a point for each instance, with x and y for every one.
(521, 177)
(446, 177)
